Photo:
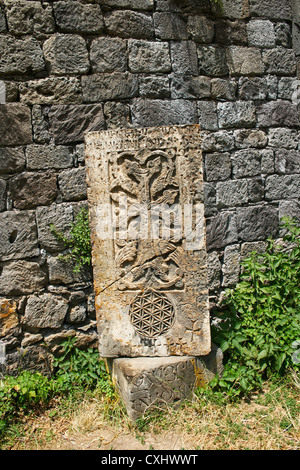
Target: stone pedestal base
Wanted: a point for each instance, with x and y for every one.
(145, 383)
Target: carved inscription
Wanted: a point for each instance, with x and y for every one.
(145, 193)
(152, 314)
(164, 385)
(142, 184)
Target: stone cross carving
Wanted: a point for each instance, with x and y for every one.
(145, 193)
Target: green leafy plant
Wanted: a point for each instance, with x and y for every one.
(79, 368)
(78, 243)
(260, 324)
(23, 394)
(76, 371)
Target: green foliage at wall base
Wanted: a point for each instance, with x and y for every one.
(260, 324)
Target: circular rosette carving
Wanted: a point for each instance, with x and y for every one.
(152, 313)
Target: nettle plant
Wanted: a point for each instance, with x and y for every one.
(78, 244)
(260, 325)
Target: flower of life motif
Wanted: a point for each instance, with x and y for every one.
(152, 314)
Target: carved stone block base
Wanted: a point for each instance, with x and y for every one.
(145, 383)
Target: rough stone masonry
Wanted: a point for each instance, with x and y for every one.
(69, 67)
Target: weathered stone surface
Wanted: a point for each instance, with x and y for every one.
(66, 54)
(184, 57)
(62, 272)
(154, 86)
(256, 189)
(233, 8)
(45, 311)
(149, 56)
(267, 161)
(282, 187)
(244, 61)
(15, 125)
(129, 24)
(230, 32)
(200, 29)
(11, 91)
(18, 235)
(246, 163)
(221, 141)
(258, 88)
(231, 266)
(61, 216)
(275, 9)
(40, 126)
(148, 113)
(72, 184)
(213, 270)
(109, 86)
(261, 33)
(108, 54)
(145, 384)
(68, 123)
(210, 199)
(212, 61)
(130, 4)
(116, 115)
(22, 277)
(207, 111)
(41, 157)
(29, 17)
(237, 114)
(249, 247)
(296, 38)
(287, 161)
(169, 26)
(277, 113)
(51, 90)
(12, 160)
(184, 86)
(245, 138)
(279, 61)
(20, 56)
(286, 88)
(29, 190)
(221, 230)
(223, 89)
(283, 138)
(9, 322)
(3, 27)
(231, 193)
(30, 339)
(257, 222)
(188, 6)
(283, 35)
(289, 209)
(217, 166)
(34, 358)
(150, 294)
(75, 17)
(2, 195)
(77, 314)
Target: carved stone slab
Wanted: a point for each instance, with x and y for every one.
(145, 383)
(145, 193)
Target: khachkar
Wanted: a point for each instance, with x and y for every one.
(145, 192)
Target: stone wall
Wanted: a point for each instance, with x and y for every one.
(75, 66)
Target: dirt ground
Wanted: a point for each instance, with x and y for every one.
(108, 439)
